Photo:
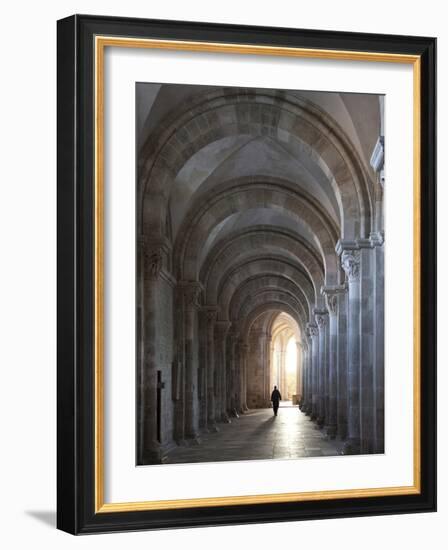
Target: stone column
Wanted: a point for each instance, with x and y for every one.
(178, 370)
(377, 163)
(191, 293)
(304, 403)
(309, 374)
(232, 342)
(238, 377)
(363, 266)
(321, 316)
(366, 373)
(267, 340)
(342, 364)
(350, 261)
(372, 342)
(313, 332)
(221, 330)
(244, 358)
(378, 350)
(211, 313)
(299, 370)
(272, 361)
(377, 240)
(152, 259)
(331, 295)
(202, 370)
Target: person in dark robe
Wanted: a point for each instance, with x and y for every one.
(275, 398)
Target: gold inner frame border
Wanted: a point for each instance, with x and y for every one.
(100, 43)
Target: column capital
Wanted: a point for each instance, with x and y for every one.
(162, 242)
(350, 245)
(346, 244)
(311, 329)
(331, 294)
(210, 312)
(377, 238)
(321, 316)
(333, 289)
(154, 251)
(191, 291)
(261, 333)
(350, 261)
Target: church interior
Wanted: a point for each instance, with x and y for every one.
(260, 263)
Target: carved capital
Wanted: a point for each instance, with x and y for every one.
(153, 262)
(321, 317)
(350, 260)
(211, 313)
(211, 316)
(332, 294)
(332, 303)
(191, 292)
(154, 252)
(377, 238)
(312, 330)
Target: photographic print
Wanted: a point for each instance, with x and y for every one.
(260, 274)
(246, 274)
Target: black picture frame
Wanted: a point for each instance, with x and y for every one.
(76, 269)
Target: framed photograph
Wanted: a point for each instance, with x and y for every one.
(246, 274)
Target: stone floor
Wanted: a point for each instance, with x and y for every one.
(258, 434)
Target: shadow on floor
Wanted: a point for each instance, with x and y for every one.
(48, 517)
(266, 425)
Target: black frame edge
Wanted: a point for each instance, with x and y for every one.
(428, 298)
(67, 479)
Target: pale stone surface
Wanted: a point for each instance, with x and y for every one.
(259, 435)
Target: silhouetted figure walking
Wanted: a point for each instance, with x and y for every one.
(275, 398)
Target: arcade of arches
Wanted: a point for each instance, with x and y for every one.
(260, 262)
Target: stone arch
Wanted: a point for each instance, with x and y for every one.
(283, 329)
(277, 298)
(272, 320)
(265, 283)
(246, 193)
(268, 307)
(274, 267)
(278, 114)
(242, 245)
